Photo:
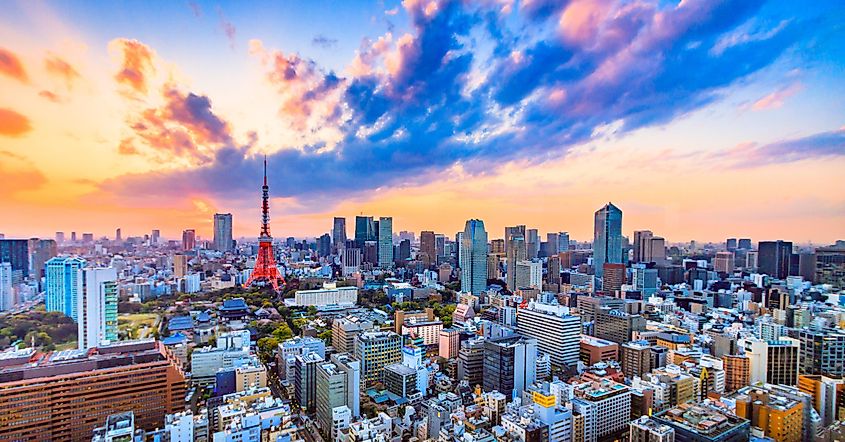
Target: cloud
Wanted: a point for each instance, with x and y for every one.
(18, 174)
(228, 28)
(195, 8)
(10, 65)
(817, 146)
(392, 11)
(13, 124)
(775, 99)
(50, 96)
(136, 64)
(324, 42)
(62, 69)
(416, 106)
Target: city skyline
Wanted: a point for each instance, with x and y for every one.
(430, 112)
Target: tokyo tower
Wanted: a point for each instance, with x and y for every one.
(265, 271)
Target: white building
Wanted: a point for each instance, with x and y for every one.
(558, 333)
(7, 298)
(330, 294)
(96, 306)
(529, 274)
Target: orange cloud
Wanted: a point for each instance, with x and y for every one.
(136, 65)
(18, 174)
(47, 95)
(62, 69)
(13, 124)
(11, 65)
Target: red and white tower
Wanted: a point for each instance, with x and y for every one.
(265, 271)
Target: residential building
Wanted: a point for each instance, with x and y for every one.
(97, 307)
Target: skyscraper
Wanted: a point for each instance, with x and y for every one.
(324, 245)
(117, 236)
(473, 257)
(532, 243)
(730, 244)
(189, 239)
(562, 241)
(385, 242)
(16, 253)
(773, 258)
(96, 306)
(7, 300)
(156, 236)
(339, 232)
(364, 230)
(515, 251)
(509, 364)
(62, 288)
(40, 251)
(427, 248)
(607, 237)
(223, 232)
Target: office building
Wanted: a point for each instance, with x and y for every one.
(471, 361)
(509, 364)
(339, 232)
(830, 266)
(614, 277)
(428, 252)
(377, 350)
(644, 279)
(648, 248)
(607, 238)
(64, 395)
(528, 274)
(7, 295)
(780, 417)
(338, 386)
(557, 332)
(473, 257)
(345, 330)
(773, 258)
(646, 429)
(189, 239)
(515, 251)
(449, 343)
(330, 294)
(737, 371)
(180, 265)
(365, 230)
(704, 423)
(223, 232)
(385, 242)
(324, 245)
(612, 404)
(594, 350)
(62, 287)
(616, 325)
(16, 253)
(562, 242)
(532, 243)
(305, 380)
(822, 352)
(40, 251)
(636, 358)
(723, 262)
(774, 362)
(96, 307)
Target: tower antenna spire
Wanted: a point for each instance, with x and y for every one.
(265, 270)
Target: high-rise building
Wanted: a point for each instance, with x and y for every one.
(616, 325)
(780, 417)
(509, 364)
(744, 244)
(556, 331)
(449, 343)
(737, 371)
(532, 243)
(16, 253)
(724, 262)
(117, 235)
(96, 307)
(223, 232)
(180, 265)
(528, 274)
(324, 245)
(365, 230)
(613, 278)
(60, 237)
(427, 248)
(189, 239)
(471, 361)
(339, 232)
(439, 245)
(822, 352)
(385, 242)
(612, 402)
(648, 248)
(644, 279)
(7, 296)
(562, 242)
(73, 237)
(515, 251)
(607, 238)
(473, 262)
(773, 258)
(377, 350)
(730, 244)
(155, 237)
(62, 285)
(338, 385)
(595, 350)
(69, 393)
(830, 265)
(636, 358)
(345, 330)
(305, 380)
(40, 251)
(774, 362)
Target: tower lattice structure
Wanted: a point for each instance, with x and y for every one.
(265, 264)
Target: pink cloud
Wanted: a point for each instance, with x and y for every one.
(136, 65)
(776, 99)
(62, 69)
(13, 124)
(10, 65)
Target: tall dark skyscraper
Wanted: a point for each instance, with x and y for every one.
(730, 244)
(607, 237)
(339, 231)
(744, 243)
(222, 232)
(365, 230)
(427, 246)
(773, 258)
(324, 245)
(16, 253)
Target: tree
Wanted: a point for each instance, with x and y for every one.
(326, 335)
(267, 347)
(282, 332)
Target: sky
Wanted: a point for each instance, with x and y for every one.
(699, 119)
